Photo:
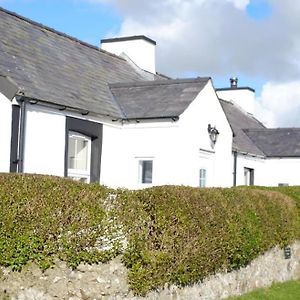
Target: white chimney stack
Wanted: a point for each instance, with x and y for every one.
(242, 96)
(140, 49)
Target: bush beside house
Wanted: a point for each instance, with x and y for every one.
(43, 217)
(174, 234)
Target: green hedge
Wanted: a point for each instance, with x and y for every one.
(290, 191)
(175, 235)
(43, 217)
(179, 235)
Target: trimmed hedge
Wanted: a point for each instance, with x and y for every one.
(175, 235)
(290, 191)
(179, 235)
(43, 217)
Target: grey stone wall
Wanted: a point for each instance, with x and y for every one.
(109, 281)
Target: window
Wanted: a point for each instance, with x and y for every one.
(248, 176)
(79, 156)
(145, 171)
(202, 178)
(91, 132)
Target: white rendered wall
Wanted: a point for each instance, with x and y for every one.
(124, 147)
(243, 97)
(269, 171)
(173, 146)
(140, 51)
(178, 149)
(206, 109)
(282, 170)
(44, 151)
(5, 132)
(258, 164)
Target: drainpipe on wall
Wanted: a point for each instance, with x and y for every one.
(234, 167)
(22, 134)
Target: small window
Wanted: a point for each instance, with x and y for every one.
(145, 171)
(248, 176)
(79, 156)
(202, 178)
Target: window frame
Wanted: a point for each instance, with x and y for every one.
(249, 181)
(202, 179)
(95, 132)
(78, 174)
(141, 164)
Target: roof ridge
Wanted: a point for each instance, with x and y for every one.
(158, 82)
(223, 100)
(253, 142)
(243, 111)
(60, 33)
(121, 110)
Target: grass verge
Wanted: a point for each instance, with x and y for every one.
(280, 291)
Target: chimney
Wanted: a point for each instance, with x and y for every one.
(234, 82)
(140, 49)
(244, 97)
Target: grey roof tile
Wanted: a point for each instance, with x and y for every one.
(51, 66)
(159, 98)
(276, 142)
(238, 121)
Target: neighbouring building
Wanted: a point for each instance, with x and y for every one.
(104, 115)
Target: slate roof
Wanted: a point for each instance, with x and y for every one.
(239, 120)
(160, 98)
(53, 67)
(276, 142)
(56, 68)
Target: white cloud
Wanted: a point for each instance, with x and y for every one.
(241, 4)
(279, 104)
(218, 38)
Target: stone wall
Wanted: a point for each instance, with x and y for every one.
(108, 281)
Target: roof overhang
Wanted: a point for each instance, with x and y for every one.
(247, 153)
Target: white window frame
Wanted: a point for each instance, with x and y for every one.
(77, 174)
(141, 161)
(202, 179)
(248, 176)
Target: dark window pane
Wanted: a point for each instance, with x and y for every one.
(147, 171)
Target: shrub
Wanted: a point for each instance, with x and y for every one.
(43, 217)
(179, 235)
(175, 235)
(290, 191)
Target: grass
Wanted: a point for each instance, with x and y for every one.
(289, 290)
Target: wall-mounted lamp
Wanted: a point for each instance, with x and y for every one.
(287, 252)
(213, 133)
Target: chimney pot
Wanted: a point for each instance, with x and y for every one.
(233, 82)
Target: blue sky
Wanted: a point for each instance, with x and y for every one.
(256, 40)
(84, 20)
(259, 10)
(93, 20)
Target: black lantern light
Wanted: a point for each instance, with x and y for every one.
(213, 133)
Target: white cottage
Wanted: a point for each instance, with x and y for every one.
(71, 109)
